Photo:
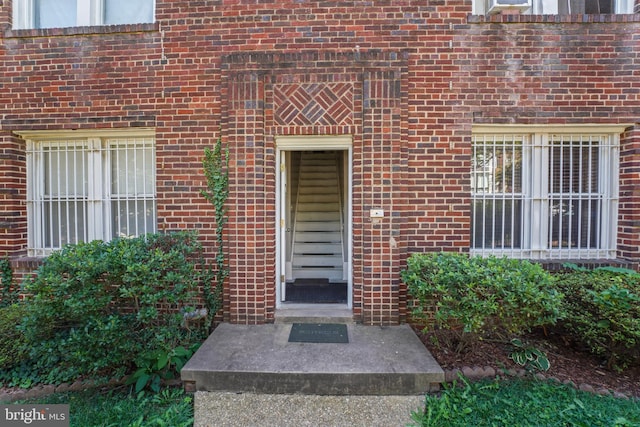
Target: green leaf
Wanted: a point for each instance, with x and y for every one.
(519, 358)
(163, 359)
(142, 382)
(180, 351)
(544, 364)
(155, 383)
(517, 342)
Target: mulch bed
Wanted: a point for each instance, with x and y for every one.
(568, 364)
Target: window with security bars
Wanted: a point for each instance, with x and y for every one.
(544, 195)
(80, 190)
(72, 13)
(554, 7)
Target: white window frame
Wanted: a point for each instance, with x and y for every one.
(536, 196)
(98, 199)
(546, 7)
(89, 13)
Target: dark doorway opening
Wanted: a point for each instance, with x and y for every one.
(316, 291)
(316, 231)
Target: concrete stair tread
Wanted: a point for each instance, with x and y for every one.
(324, 226)
(318, 236)
(318, 273)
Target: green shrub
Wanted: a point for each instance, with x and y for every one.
(481, 295)
(9, 294)
(93, 307)
(603, 313)
(12, 343)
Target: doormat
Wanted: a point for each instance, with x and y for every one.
(319, 333)
(316, 291)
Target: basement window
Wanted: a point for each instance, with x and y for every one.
(28, 14)
(549, 194)
(88, 187)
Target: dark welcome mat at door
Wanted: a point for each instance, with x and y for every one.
(319, 333)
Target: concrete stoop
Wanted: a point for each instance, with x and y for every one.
(250, 367)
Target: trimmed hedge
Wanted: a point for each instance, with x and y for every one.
(96, 307)
(490, 296)
(13, 348)
(602, 312)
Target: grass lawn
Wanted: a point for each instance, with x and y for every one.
(118, 408)
(525, 403)
(487, 403)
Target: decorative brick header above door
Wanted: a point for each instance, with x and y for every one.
(360, 94)
(306, 104)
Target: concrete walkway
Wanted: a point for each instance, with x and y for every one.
(219, 409)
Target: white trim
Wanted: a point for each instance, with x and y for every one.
(545, 7)
(23, 16)
(529, 129)
(88, 13)
(537, 195)
(96, 196)
(38, 135)
(308, 143)
(314, 142)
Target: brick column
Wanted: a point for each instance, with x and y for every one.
(248, 213)
(13, 195)
(381, 178)
(629, 206)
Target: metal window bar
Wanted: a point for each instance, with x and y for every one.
(578, 195)
(59, 191)
(56, 196)
(133, 199)
(576, 198)
(497, 196)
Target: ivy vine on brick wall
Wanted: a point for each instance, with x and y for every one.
(216, 170)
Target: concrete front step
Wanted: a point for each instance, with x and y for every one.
(217, 409)
(259, 359)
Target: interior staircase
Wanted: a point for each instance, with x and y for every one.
(317, 250)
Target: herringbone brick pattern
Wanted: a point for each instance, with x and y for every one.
(313, 104)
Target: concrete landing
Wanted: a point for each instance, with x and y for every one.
(259, 359)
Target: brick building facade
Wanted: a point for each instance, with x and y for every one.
(445, 129)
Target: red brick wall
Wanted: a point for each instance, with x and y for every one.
(414, 77)
(13, 214)
(629, 207)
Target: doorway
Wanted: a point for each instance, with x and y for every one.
(315, 223)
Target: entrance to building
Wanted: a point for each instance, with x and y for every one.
(314, 244)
